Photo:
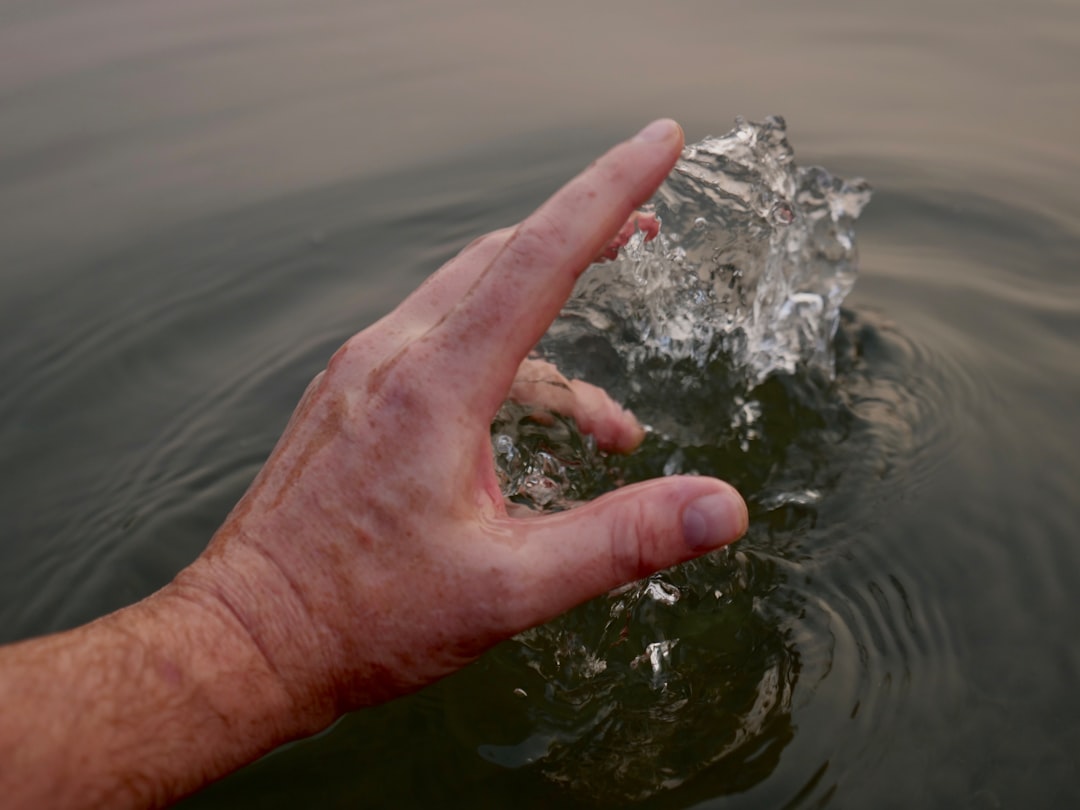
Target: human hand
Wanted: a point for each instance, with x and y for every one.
(374, 554)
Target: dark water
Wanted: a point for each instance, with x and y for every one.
(199, 201)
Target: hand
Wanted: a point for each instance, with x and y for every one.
(373, 554)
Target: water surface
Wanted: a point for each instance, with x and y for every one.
(200, 201)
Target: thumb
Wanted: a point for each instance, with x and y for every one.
(567, 558)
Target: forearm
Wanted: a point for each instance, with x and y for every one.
(136, 709)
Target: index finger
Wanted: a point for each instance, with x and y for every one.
(521, 290)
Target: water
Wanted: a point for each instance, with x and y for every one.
(199, 201)
(754, 258)
(724, 335)
(744, 281)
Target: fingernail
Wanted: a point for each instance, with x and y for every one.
(714, 520)
(658, 130)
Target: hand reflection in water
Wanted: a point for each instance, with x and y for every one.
(373, 554)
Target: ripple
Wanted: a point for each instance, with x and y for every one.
(905, 397)
(157, 406)
(695, 676)
(638, 692)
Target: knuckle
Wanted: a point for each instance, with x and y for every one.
(536, 241)
(635, 542)
(339, 358)
(348, 358)
(313, 386)
(381, 386)
(310, 394)
(487, 241)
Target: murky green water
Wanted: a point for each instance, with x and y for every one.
(199, 201)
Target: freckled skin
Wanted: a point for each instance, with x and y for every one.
(373, 553)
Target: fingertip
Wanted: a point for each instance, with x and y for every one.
(660, 130)
(615, 428)
(714, 519)
(633, 437)
(660, 141)
(629, 434)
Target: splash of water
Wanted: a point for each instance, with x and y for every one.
(755, 256)
(719, 335)
(744, 282)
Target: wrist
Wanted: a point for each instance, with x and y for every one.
(140, 707)
(265, 623)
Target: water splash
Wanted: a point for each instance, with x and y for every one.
(718, 335)
(754, 258)
(744, 282)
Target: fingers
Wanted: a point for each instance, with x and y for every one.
(638, 221)
(521, 290)
(444, 288)
(597, 414)
(539, 384)
(564, 559)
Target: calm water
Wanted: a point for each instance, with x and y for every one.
(200, 200)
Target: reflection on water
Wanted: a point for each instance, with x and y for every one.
(200, 200)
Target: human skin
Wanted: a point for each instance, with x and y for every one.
(373, 554)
